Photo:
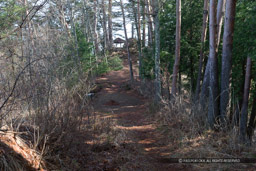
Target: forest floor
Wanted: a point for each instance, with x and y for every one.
(123, 133)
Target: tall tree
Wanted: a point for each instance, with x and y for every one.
(227, 56)
(203, 38)
(213, 108)
(252, 122)
(110, 34)
(105, 32)
(127, 42)
(96, 43)
(157, 52)
(136, 13)
(138, 23)
(132, 30)
(244, 110)
(143, 24)
(219, 22)
(220, 15)
(150, 26)
(177, 49)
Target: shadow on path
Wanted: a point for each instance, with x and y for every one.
(128, 108)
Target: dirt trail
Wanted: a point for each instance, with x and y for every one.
(129, 109)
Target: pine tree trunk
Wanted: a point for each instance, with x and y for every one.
(244, 110)
(177, 49)
(150, 26)
(205, 86)
(157, 52)
(227, 57)
(127, 42)
(144, 24)
(203, 38)
(219, 21)
(252, 122)
(132, 30)
(106, 37)
(139, 38)
(213, 108)
(137, 25)
(95, 32)
(220, 15)
(110, 44)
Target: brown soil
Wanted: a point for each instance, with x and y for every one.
(124, 105)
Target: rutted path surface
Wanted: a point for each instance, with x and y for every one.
(129, 109)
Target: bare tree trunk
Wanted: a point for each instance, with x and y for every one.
(244, 111)
(168, 81)
(192, 87)
(87, 30)
(213, 108)
(139, 38)
(252, 122)
(205, 92)
(220, 15)
(132, 30)
(106, 37)
(150, 26)
(127, 42)
(96, 43)
(110, 24)
(219, 21)
(203, 38)
(227, 57)
(138, 21)
(90, 29)
(144, 24)
(179, 83)
(177, 50)
(137, 25)
(157, 52)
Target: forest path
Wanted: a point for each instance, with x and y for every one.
(129, 112)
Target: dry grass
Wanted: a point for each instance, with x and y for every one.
(40, 134)
(188, 133)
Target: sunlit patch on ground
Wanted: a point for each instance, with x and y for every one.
(137, 128)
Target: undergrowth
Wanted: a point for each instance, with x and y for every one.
(188, 132)
(113, 63)
(46, 112)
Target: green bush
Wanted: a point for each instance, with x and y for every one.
(103, 67)
(106, 65)
(115, 63)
